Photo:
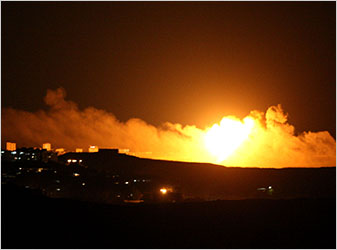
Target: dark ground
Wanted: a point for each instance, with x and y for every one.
(212, 182)
(33, 221)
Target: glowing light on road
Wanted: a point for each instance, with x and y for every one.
(163, 190)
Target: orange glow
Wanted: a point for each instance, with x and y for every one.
(222, 140)
(163, 190)
(93, 149)
(262, 139)
(60, 151)
(133, 201)
(10, 146)
(46, 146)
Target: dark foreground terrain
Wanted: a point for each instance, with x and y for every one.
(30, 220)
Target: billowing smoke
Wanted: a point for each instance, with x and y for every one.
(271, 143)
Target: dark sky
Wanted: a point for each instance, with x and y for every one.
(190, 63)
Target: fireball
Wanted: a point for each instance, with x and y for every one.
(221, 140)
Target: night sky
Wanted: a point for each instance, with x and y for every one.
(188, 63)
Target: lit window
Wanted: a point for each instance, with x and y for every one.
(76, 174)
(58, 189)
(126, 183)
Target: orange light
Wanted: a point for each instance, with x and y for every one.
(10, 146)
(46, 146)
(163, 190)
(93, 149)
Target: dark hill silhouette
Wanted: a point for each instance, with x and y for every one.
(210, 181)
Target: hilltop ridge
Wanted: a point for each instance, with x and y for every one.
(211, 181)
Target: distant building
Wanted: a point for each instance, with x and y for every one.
(93, 149)
(84, 158)
(74, 161)
(60, 151)
(26, 154)
(10, 146)
(79, 150)
(46, 146)
(123, 151)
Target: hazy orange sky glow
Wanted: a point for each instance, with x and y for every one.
(183, 62)
(233, 83)
(261, 139)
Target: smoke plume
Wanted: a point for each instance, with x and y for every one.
(271, 143)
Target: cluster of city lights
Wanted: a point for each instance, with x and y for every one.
(73, 161)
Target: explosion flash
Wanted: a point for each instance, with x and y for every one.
(222, 140)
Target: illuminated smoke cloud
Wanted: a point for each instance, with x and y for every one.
(271, 143)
